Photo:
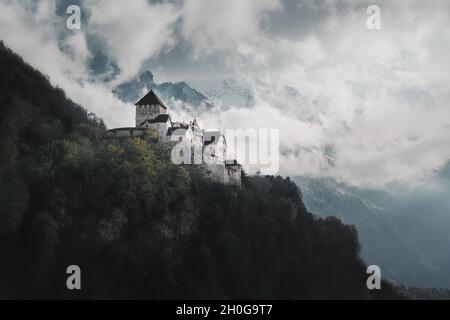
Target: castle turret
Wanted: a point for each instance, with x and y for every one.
(148, 108)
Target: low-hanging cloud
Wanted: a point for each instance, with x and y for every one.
(30, 30)
(134, 31)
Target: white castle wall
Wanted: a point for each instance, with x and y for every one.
(161, 128)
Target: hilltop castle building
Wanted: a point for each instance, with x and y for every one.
(152, 118)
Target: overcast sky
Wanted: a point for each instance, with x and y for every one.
(379, 98)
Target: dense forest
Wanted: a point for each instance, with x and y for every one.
(141, 227)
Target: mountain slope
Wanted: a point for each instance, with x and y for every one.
(399, 235)
(141, 227)
(32, 114)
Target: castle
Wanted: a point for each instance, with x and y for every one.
(153, 119)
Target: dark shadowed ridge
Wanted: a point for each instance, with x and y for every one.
(141, 227)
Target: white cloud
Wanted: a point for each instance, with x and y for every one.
(379, 98)
(32, 33)
(76, 44)
(215, 25)
(133, 31)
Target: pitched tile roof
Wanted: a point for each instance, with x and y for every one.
(150, 99)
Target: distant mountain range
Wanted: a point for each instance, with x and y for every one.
(407, 236)
(196, 95)
(174, 94)
(227, 93)
(240, 93)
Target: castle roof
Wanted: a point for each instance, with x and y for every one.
(150, 99)
(178, 126)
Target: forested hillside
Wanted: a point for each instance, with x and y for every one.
(142, 227)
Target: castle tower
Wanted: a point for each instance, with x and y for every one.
(148, 108)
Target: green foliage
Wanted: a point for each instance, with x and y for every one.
(140, 226)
